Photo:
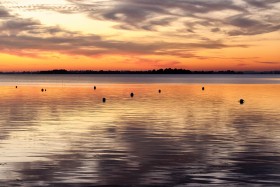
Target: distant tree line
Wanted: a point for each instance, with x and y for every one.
(158, 71)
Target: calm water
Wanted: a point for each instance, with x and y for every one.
(181, 136)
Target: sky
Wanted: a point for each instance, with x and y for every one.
(139, 34)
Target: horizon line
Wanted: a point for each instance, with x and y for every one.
(151, 71)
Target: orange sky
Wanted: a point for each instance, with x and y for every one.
(139, 34)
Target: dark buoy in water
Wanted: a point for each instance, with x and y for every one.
(16, 86)
(159, 91)
(45, 90)
(202, 88)
(241, 101)
(42, 90)
(94, 87)
(132, 94)
(104, 99)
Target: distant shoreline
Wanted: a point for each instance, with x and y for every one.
(159, 71)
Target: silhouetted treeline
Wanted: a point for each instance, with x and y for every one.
(159, 71)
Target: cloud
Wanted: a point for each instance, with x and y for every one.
(242, 22)
(186, 19)
(270, 63)
(140, 14)
(26, 37)
(17, 25)
(216, 29)
(250, 26)
(151, 15)
(3, 13)
(261, 3)
(90, 45)
(150, 25)
(259, 30)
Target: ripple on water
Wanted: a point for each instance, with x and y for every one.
(180, 136)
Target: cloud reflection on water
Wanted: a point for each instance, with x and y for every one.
(182, 136)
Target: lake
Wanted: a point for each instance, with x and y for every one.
(66, 135)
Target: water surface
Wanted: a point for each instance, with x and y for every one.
(82, 79)
(181, 136)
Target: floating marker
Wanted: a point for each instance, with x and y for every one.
(203, 88)
(94, 87)
(241, 101)
(132, 94)
(104, 99)
(16, 86)
(45, 90)
(42, 90)
(159, 91)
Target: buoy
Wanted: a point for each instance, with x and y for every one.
(16, 86)
(42, 89)
(45, 90)
(94, 87)
(104, 99)
(241, 101)
(132, 94)
(159, 91)
(202, 88)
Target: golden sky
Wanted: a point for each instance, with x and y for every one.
(139, 34)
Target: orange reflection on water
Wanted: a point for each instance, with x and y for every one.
(70, 134)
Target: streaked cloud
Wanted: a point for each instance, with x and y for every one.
(147, 14)
(3, 13)
(262, 4)
(271, 63)
(30, 35)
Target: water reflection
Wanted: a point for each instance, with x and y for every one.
(181, 136)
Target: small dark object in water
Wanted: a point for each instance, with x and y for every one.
(104, 99)
(42, 89)
(203, 88)
(241, 101)
(132, 94)
(16, 86)
(45, 90)
(94, 87)
(159, 91)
